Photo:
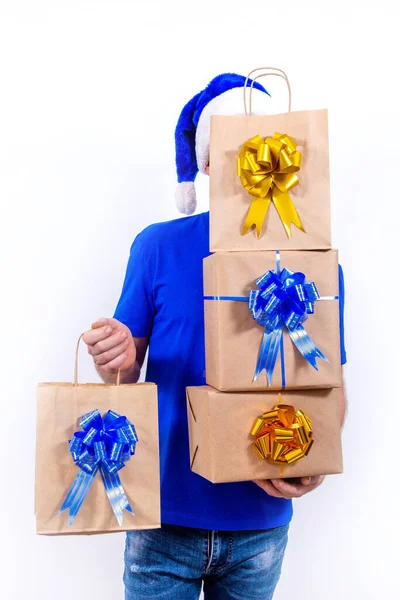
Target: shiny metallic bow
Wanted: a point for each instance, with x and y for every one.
(283, 300)
(105, 444)
(283, 435)
(267, 168)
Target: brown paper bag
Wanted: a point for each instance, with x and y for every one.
(233, 337)
(230, 202)
(59, 407)
(221, 443)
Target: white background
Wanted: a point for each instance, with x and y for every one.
(90, 92)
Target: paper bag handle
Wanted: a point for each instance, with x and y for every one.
(76, 364)
(271, 71)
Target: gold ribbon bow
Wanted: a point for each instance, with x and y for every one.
(267, 169)
(283, 435)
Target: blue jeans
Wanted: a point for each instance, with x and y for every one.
(173, 562)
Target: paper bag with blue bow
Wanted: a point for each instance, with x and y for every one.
(97, 458)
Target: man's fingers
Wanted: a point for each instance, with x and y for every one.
(104, 345)
(267, 486)
(100, 323)
(280, 488)
(110, 343)
(111, 322)
(288, 490)
(296, 490)
(310, 480)
(115, 365)
(106, 357)
(93, 336)
(101, 329)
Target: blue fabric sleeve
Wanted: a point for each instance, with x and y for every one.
(343, 357)
(136, 307)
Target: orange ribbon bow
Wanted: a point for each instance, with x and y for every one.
(283, 435)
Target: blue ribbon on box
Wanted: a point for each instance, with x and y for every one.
(284, 300)
(104, 445)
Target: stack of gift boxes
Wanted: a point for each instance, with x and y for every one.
(271, 405)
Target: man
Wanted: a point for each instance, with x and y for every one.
(232, 537)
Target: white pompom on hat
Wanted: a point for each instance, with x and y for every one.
(185, 196)
(222, 96)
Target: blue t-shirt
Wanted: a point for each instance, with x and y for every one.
(162, 298)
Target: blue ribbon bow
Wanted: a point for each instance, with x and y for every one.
(284, 299)
(104, 445)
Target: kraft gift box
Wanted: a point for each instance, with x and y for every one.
(221, 444)
(233, 339)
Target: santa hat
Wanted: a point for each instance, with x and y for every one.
(222, 96)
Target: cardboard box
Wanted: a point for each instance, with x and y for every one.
(221, 444)
(233, 337)
(229, 200)
(59, 407)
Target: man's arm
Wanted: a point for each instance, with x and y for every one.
(113, 348)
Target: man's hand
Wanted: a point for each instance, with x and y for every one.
(282, 488)
(111, 344)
